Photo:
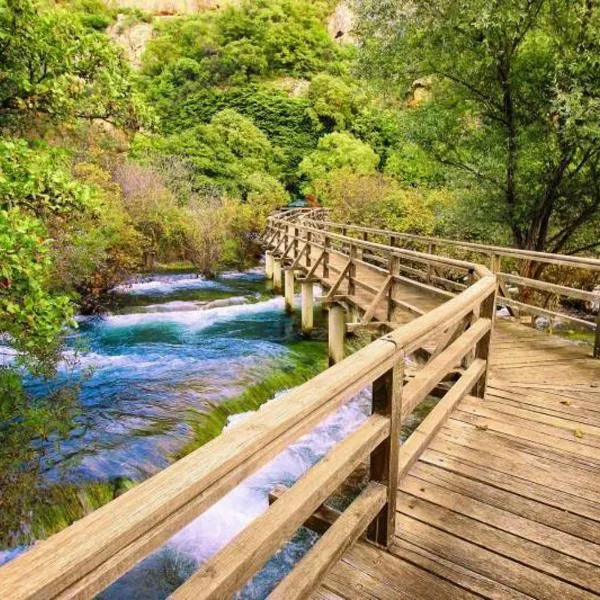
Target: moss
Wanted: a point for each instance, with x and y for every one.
(585, 337)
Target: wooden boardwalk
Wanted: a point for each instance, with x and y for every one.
(495, 495)
(505, 501)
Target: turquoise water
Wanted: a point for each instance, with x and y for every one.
(177, 343)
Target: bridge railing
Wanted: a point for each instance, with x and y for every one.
(525, 277)
(86, 557)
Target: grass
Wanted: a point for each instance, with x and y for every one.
(308, 359)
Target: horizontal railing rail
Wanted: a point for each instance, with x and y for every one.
(85, 558)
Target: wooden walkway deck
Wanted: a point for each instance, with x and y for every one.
(505, 502)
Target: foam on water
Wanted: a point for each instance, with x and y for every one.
(166, 284)
(195, 319)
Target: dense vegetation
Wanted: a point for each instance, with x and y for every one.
(466, 119)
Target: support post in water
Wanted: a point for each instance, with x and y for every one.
(337, 330)
(289, 290)
(277, 274)
(269, 264)
(307, 307)
(387, 400)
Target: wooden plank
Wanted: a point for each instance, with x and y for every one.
(472, 581)
(482, 560)
(548, 458)
(343, 533)
(368, 572)
(507, 498)
(230, 568)
(560, 290)
(503, 520)
(526, 472)
(370, 312)
(543, 559)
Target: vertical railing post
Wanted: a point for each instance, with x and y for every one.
(597, 336)
(308, 248)
(394, 269)
(430, 250)
(352, 271)
(325, 261)
(482, 349)
(387, 400)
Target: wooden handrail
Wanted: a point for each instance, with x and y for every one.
(525, 303)
(592, 264)
(86, 557)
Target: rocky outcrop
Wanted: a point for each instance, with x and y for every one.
(173, 7)
(341, 23)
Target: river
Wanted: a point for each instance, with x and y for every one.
(175, 345)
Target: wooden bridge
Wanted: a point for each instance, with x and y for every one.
(496, 494)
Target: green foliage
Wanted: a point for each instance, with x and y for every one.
(255, 39)
(29, 314)
(380, 201)
(337, 151)
(334, 102)
(54, 67)
(513, 106)
(38, 180)
(221, 154)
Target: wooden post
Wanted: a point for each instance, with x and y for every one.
(597, 337)
(482, 349)
(277, 274)
(394, 269)
(352, 271)
(269, 264)
(326, 244)
(430, 250)
(387, 400)
(337, 329)
(308, 248)
(307, 307)
(289, 290)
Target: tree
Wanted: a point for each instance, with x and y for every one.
(515, 104)
(55, 67)
(337, 151)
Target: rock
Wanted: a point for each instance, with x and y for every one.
(542, 323)
(341, 23)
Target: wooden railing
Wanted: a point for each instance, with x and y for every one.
(86, 557)
(519, 291)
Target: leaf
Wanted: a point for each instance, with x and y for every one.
(566, 402)
(481, 427)
(578, 433)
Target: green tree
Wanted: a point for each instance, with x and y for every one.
(221, 154)
(55, 67)
(515, 105)
(336, 151)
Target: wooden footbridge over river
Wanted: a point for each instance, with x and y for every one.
(496, 494)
